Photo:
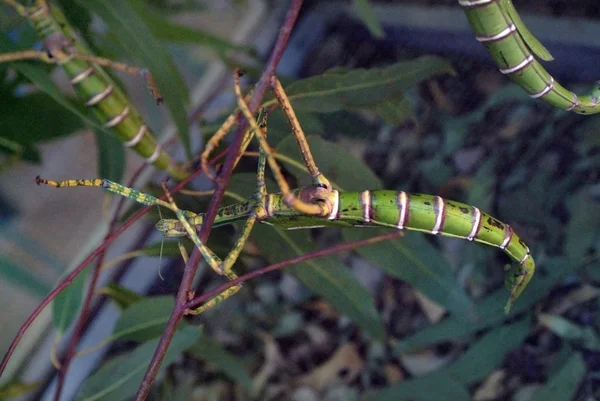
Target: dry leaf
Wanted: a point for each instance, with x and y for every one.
(393, 373)
(420, 363)
(273, 361)
(432, 310)
(582, 294)
(344, 366)
(492, 387)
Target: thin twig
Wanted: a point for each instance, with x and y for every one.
(221, 183)
(194, 303)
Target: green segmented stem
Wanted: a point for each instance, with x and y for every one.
(514, 49)
(108, 102)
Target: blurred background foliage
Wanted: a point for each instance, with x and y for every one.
(415, 318)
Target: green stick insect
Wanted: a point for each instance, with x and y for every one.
(110, 105)
(319, 205)
(514, 49)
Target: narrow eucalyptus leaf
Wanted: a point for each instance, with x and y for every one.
(66, 305)
(338, 89)
(119, 378)
(144, 319)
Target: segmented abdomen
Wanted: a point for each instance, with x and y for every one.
(100, 93)
(494, 28)
(430, 214)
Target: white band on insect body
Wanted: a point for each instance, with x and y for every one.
(335, 207)
(506, 32)
(439, 209)
(137, 138)
(402, 201)
(269, 205)
(508, 233)
(117, 119)
(574, 103)
(547, 89)
(155, 155)
(82, 75)
(473, 3)
(365, 201)
(528, 60)
(94, 100)
(476, 222)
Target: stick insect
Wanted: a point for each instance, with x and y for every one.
(319, 205)
(514, 49)
(92, 84)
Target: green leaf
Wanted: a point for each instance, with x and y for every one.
(111, 157)
(145, 319)
(17, 389)
(41, 78)
(51, 119)
(22, 277)
(367, 15)
(571, 331)
(120, 295)
(582, 233)
(327, 276)
(343, 123)
(414, 260)
(394, 111)
(210, 351)
(163, 29)
(356, 89)
(119, 378)
(563, 385)
(488, 352)
(344, 171)
(450, 383)
(434, 387)
(489, 310)
(135, 36)
(18, 151)
(65, 306)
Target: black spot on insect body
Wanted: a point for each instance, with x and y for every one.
(504, 59)
(495, 223)
(464, 210)
(427, 203)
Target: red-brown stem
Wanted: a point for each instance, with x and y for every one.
(259, 92)
(194, 303)
(221, 182)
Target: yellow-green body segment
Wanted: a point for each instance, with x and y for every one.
(514, 49)
(97, 89)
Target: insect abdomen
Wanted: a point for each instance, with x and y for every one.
(495, 28)
(430, 214)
